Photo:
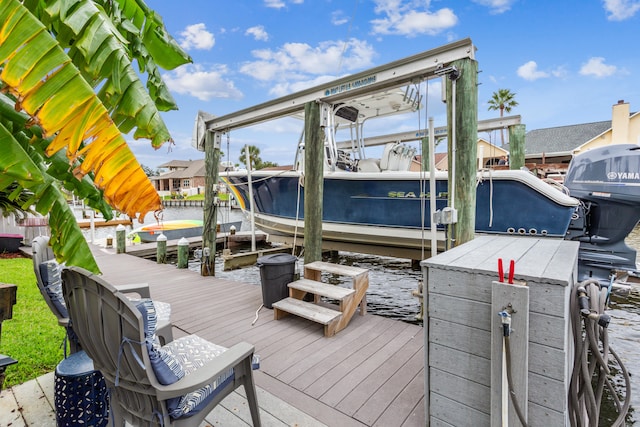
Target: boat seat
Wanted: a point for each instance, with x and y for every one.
(369, 165)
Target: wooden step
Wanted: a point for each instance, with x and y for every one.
(344, 270)
(304, 309)
(322, 289)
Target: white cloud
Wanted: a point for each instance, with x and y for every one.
(496, 6)
(338, 18)
(279, 4)
(258, 33)
(529, 71)
(286, 87)
(196, 36)
(404, 18)
(203, 84)
(619, 10)
(596, 67)
(295, 62)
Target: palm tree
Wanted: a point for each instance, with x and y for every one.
(254, 157)
(502, 100)
(68, 93)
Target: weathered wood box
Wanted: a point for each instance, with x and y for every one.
(460, 319)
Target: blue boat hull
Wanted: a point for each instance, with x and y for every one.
(504, 204)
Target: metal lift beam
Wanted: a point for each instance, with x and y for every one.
(439, 132)
(394, 74)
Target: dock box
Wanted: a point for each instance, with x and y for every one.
(463, 337)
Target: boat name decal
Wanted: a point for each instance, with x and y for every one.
(355, 84)
(623, 175)
(404, 195)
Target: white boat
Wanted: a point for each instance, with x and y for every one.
(384, 201)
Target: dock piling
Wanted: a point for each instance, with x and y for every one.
(120, 239)
(161, 250)
(183, 253)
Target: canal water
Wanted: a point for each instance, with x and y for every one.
(391, 282)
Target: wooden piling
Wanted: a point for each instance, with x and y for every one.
(161, 250)
(463, 149)
(120, 239)
(183, 253)
(211, 162)
(313, 182)
(516, 146)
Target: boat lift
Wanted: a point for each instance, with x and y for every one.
(395, 74)
(434, 63)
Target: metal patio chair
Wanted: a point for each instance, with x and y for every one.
(47, 272)
(177, 384)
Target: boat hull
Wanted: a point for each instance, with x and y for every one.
(387, 208)
(174, 230)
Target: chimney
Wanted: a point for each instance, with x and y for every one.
(620, 123)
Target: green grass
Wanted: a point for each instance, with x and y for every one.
(32, 336)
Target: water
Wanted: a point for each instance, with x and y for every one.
(391, 282)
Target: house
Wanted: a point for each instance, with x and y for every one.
(183, 178)
(488, 155)
(559, 144)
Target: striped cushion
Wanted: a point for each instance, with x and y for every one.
(192, 352)
(167, 369)
(50, 273)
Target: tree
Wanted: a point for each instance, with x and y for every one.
(254, 157)
(148, 171)
(68, 93)
(502, 100)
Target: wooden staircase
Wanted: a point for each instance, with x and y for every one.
(334, 317)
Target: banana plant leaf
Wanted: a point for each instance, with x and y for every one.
(63, 104)
(67, 240)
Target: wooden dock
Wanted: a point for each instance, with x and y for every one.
(370, 374)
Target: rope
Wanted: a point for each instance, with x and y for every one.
(591, 371)
(257, 314)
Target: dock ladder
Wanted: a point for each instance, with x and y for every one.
(334, 317)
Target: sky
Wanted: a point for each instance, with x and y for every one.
(566, 61)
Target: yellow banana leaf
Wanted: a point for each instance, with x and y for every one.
(65, 106)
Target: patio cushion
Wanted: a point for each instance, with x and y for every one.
(166, 368)
(192, 352)
(50, 272)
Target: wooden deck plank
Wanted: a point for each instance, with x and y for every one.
(403, 407)
(382, 398)
(307, 310)
(331, 361)
(307, 348)
(294, 354)
(350, 380)
(327, 381)
(359, 395)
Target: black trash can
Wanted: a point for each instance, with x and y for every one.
(276, 272)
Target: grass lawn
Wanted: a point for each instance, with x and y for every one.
(32, 336)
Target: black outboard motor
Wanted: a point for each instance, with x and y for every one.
(607, 181)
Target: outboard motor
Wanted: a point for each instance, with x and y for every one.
(607, 181)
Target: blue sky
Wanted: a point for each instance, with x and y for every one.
(567, 62)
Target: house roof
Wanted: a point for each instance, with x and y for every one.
(190, 169)
(176, 164)
(563, 138)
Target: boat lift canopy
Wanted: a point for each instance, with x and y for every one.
(412, 69)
